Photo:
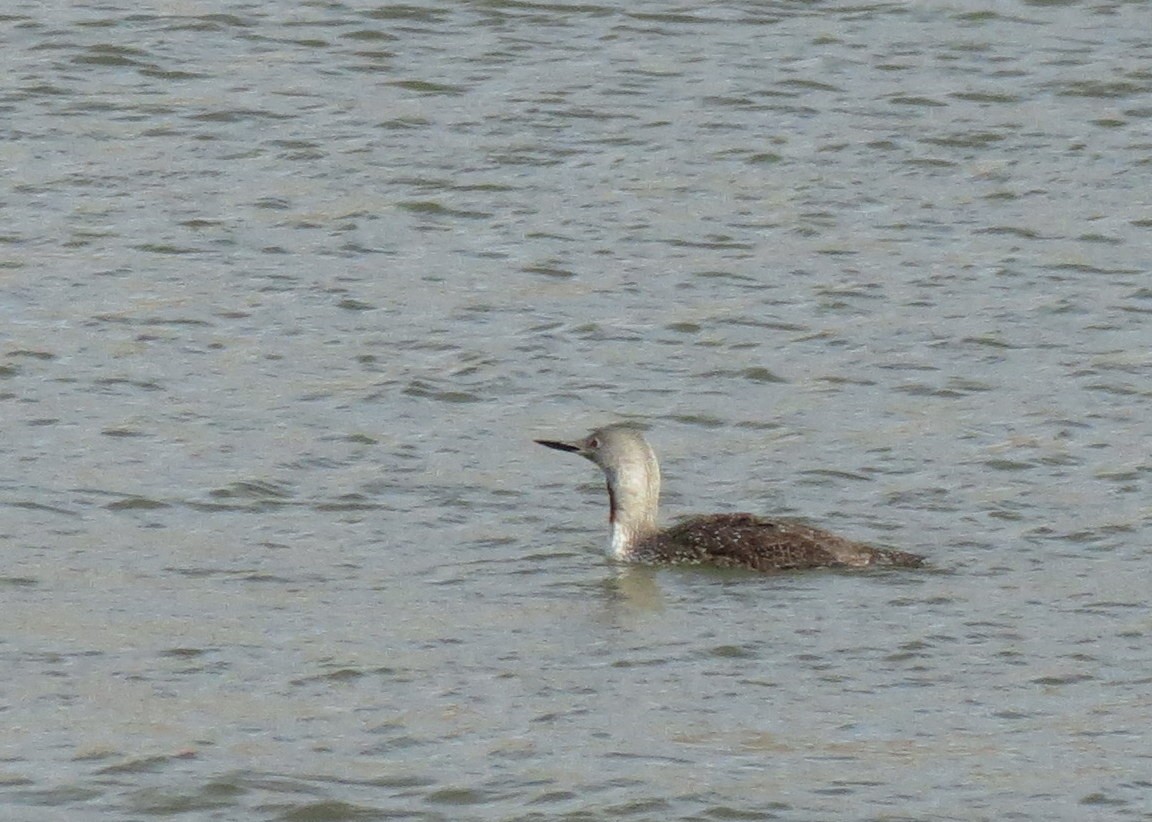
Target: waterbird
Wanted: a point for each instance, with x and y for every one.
(724, 540)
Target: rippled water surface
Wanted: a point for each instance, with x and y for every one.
(289, 288)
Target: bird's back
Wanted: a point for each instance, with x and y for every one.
(748, 541)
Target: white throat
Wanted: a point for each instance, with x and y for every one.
(620, 544)
(634, 495)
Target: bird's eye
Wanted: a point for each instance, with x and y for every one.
(593, 443)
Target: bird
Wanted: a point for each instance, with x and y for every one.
(722, 540)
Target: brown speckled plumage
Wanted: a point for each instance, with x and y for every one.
(723, 540)
(748, 541)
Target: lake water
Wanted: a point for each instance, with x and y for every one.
(289, 288)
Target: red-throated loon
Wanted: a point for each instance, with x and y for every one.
(725, 540)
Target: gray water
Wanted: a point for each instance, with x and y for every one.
(288, 289)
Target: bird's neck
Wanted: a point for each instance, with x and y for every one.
(634, 497)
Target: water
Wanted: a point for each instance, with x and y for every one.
(288, 290)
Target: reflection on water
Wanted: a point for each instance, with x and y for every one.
(633, 588)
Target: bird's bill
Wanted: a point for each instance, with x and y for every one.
(571, 448)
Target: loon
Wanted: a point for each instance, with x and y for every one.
(724, 540)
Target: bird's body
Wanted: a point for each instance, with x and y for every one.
(723, 540)
(760, 544)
